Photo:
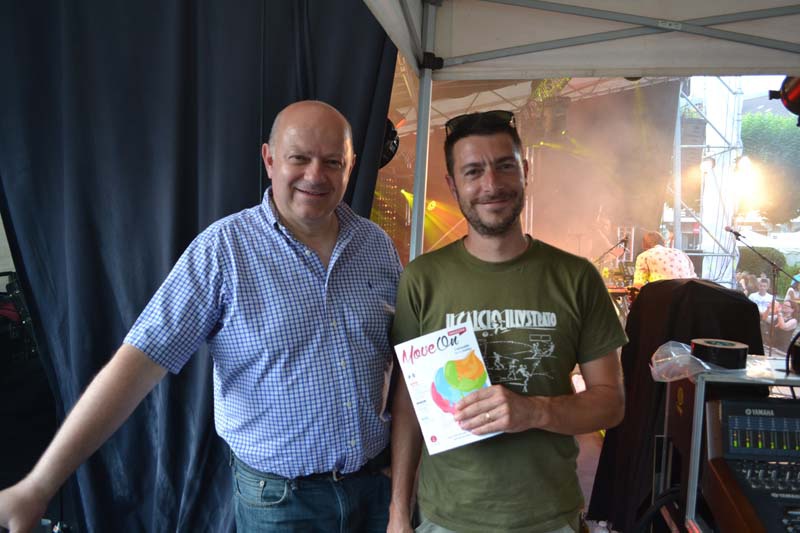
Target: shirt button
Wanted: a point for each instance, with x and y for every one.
(347, 404)
(308, 252)
(353, 442)
(333, 322)
(343, 363)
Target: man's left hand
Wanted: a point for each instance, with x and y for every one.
(496, 408)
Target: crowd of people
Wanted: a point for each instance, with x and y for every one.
(779, 316)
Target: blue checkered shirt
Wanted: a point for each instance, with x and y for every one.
(300, 351)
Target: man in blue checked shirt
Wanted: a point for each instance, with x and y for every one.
(293, 293)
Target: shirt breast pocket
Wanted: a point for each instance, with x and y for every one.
(370, 310)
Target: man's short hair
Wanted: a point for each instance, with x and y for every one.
(484, 123)
(652, 238)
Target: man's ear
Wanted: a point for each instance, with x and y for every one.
(352, 164)
(525, 170)
(451, 184)
(266, 156)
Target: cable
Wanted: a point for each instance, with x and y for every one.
(667, 497)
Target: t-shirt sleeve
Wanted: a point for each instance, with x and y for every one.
(185, 309)
(601, 330)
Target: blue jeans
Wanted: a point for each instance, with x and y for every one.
(266, 502)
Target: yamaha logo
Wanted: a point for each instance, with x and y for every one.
(759, 412)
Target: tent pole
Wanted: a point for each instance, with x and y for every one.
(423, 131)
(677, 226)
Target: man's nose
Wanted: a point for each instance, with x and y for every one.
(490, 179)
(315, 169)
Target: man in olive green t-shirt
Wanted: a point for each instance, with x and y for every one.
(537, 311)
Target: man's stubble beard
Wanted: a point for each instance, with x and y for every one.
(499, 228)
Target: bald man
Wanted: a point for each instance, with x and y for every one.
(294, 299)
(657, 262)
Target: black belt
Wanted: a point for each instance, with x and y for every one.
(373, 466)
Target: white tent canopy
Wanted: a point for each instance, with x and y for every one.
(528, 39)
(531, 39)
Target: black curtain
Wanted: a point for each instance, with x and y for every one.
(125, 129)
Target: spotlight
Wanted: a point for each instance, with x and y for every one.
(789, 95)
(743, 164)
(391, 142)
(431, 205)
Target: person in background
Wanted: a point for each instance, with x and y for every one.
(785, 323)
(657, 262)
(762, 298)
(296, 291)
(751, 284)
(793, 292)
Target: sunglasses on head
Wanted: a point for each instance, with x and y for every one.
(498, 117)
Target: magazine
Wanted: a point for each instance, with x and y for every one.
(439, 369)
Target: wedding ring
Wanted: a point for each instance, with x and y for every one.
(488, 417)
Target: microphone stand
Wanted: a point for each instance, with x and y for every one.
(774, 282)
(602, 256)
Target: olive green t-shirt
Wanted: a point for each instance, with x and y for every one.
(535, 317)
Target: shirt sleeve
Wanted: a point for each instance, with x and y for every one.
(641, 274)
(690, 271)
(600, 330)
(185, 309)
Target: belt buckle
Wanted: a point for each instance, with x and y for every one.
(337, 476)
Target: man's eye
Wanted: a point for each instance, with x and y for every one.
(298, 158)
(335, 163)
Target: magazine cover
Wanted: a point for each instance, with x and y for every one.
(440, 368)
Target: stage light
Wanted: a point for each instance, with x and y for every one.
(743, 164)
(748, 181)
(408, 196)
(789, 95)
(391, 142)
(431, 205)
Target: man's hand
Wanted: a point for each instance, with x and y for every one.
(497, 408)
(399, 524)
(601, 405)
(20, 510)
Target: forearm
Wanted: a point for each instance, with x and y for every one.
(600, 407)
(406, 450)
(107, 402)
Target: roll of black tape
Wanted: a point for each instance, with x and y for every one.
(727, 354)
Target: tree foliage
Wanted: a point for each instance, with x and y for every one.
(773, 142)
